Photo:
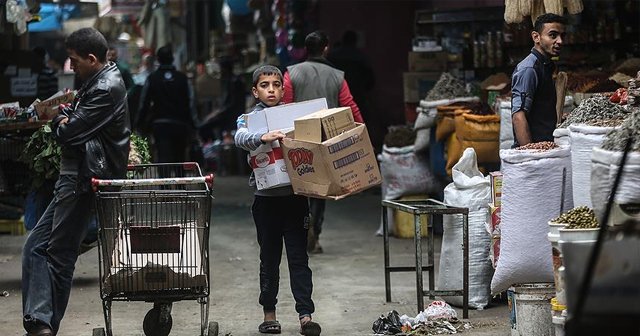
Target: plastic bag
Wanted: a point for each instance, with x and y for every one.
(389, 324)
(440, 310)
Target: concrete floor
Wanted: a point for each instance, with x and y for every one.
(348, 278)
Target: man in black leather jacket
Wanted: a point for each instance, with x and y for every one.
(94, 135)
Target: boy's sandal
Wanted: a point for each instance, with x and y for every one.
(310, 328)
(270, 327)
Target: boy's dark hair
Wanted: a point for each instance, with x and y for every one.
(316, 42)
(165, 55)
(266, 70)
(548, 18)
(87, 41)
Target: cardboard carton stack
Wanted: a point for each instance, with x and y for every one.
(330, 156)
(494, 215)
(425, 68)
(326, 153)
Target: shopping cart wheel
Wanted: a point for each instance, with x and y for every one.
(213, 328)
(99, 332)
(155, 325)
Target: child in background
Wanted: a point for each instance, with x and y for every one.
(278, 215)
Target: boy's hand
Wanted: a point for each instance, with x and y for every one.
(272, 136)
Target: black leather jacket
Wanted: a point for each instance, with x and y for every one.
(98, 127)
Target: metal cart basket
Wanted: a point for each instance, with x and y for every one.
(153, 242)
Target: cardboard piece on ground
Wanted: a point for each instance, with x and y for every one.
(334, 169)
(268, 166)
(48, 109)
(325, 124)
(281, 117)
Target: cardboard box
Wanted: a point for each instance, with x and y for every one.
(496, 188)
(418, 84)
(324, 124)
(333, 169)
(48, 109)
(494, 251)
(281, 117)
(427, 61)
(494, 220)
(269, 168)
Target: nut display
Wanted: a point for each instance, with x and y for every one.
(578, 218)
(539, 146)
(630, 129)
(447, 87)
(594, 110)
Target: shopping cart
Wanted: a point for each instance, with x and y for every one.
(153, 242)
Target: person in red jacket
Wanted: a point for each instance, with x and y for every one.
(318, 78)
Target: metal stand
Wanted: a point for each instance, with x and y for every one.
(426, 207)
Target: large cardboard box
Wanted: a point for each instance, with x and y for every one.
(427, 61)
(335, 168)
(324, 124)
(269, 168)
(281, 117)
(267, 162)
(48, 109)
(418, 84)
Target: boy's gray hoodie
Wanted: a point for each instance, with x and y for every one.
(251, 141)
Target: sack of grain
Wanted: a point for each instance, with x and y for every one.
(531, 194)
(469, 189)
(583, 139)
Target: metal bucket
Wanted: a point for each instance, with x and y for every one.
(530, 309)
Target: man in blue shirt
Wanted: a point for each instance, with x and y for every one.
(533, 91)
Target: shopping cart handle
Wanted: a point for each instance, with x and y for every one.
(207, 179)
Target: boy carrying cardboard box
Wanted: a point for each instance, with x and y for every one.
(278, 214)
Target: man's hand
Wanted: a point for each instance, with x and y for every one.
(272, 136)
(63, 121)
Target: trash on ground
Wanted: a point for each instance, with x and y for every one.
(437, 319)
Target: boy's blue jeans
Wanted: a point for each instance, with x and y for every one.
(285, 218)
(50, 254)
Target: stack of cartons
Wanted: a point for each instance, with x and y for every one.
(494, 215)
(330, 156)
(267, 161)
(425, 68)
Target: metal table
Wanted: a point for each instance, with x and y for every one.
(428, 207)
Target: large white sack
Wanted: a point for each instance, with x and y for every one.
(531, 194)
(506, 125)
(561, 136)
(424, 122)
(403, 173)
(583, 139)
(469, 189)
(604, 167)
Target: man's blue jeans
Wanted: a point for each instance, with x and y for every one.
(50, 254)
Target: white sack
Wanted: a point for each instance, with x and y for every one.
(531, 193)
(561, 136)
(583, 139)
(604, 167)
(423, 125)
(403, 173)
(469, 189)
(436, 103)
(506, 125)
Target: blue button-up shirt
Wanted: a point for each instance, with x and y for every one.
(534, 92)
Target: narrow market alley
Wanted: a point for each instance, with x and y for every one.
(348, 278)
